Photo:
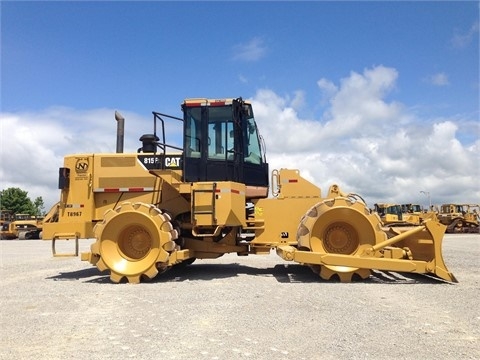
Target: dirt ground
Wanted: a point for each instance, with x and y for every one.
(255, 307)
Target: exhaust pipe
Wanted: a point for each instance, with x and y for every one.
(120, 131)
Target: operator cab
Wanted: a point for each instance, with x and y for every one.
(221, 143)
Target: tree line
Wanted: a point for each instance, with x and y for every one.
(16, 201)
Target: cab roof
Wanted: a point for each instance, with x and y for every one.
(209, 102)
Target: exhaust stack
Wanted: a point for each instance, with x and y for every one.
(120, 131)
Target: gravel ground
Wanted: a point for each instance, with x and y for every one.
(255, 307)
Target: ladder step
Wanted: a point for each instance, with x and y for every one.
(65, 236)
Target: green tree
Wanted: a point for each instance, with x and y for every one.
(17, 201)
(39, 206)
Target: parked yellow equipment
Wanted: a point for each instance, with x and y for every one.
(460, 218)
(22, 226)
(6, 216)
(390, 214)
(413, 213)
(397, 215)
(168, 204)
(403, 215)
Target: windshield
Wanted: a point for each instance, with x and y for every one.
(220, 133)
(193, 132)
(253, 153)
(215, 129)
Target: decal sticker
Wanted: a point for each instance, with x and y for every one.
(81, 168)
(153, 161)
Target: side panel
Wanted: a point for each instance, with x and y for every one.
(118, 178)
(281, 215)
(221, 204)
(280, 218)
(95, 183)
(76, 206)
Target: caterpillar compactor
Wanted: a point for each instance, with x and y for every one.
(166, 205)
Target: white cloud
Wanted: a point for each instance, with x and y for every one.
(371, 146)
(328, 88)
(439, 79)
(253, 50)
(462, 39)
(281, 119)
(298, 100)
(243, 79)
(364, 143)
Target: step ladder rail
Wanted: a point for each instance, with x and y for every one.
(212, 212)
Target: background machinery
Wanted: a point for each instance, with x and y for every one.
(398, 215)
(390, 214)
(21, 226)
(403, 215)
(167, 204)
(6, 216)
(414, 213)
(460, 218)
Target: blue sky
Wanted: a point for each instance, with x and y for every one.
(367, 76)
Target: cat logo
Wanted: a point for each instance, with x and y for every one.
(160, 162)
(172, 161)
(81, 166)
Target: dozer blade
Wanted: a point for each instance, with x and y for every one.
(418, 250)
(426, 246)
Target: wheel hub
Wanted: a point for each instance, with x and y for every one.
(135, 242)
(340, 238)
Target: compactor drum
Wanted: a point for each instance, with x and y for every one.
(133, 240)
(154, 209)
(339, 226)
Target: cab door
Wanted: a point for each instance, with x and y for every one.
(210, 149)
(221, 143)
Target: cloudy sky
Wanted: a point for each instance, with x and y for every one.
(381, 98)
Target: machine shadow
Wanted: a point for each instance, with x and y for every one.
(82, 274)
(283, 273)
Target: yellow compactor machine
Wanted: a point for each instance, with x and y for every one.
(166, 205)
